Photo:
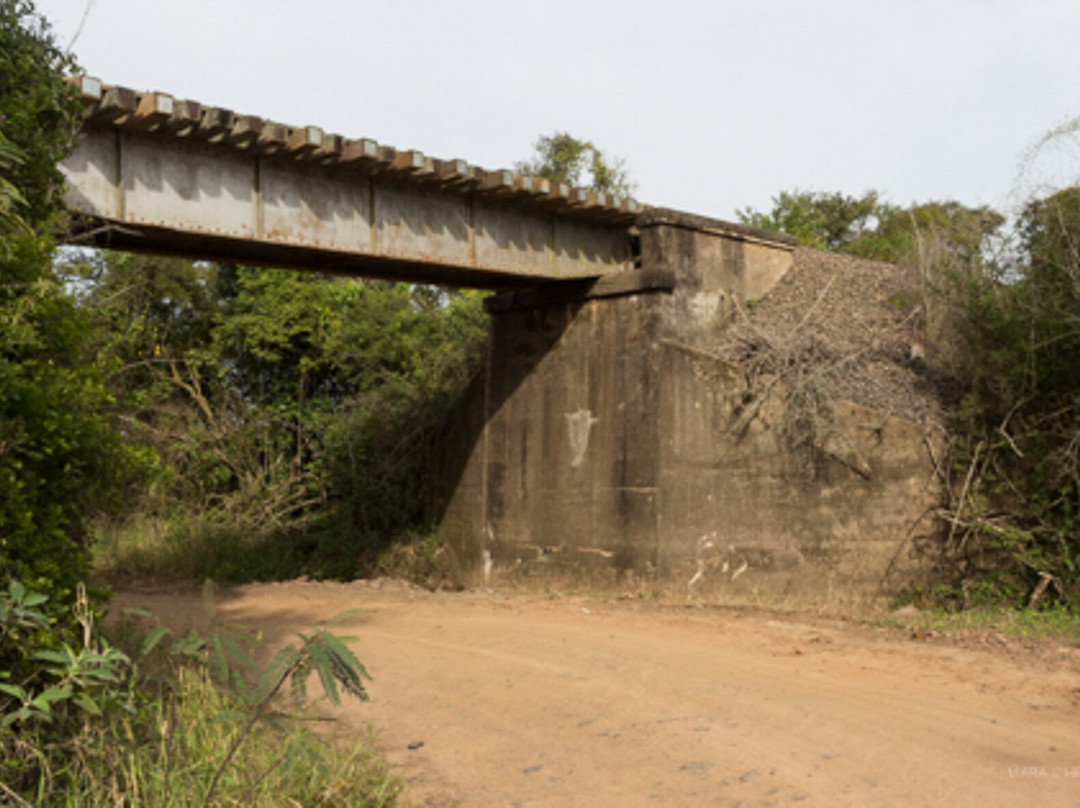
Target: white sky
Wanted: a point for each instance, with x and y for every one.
(714, 105)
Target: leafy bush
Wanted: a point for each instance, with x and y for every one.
(61, 459)
(1015, 513)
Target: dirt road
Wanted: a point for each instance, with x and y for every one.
(487, 699)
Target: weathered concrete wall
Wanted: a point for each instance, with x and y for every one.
(741, 515)
(562, 475)
(608, 454)
(715, 264)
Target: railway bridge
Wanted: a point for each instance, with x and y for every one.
(597, 446)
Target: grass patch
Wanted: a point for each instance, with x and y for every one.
(217, 546)
(183, 737)
(1057, 623)
(198, 547)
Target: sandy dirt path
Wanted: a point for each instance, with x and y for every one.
(489, 699)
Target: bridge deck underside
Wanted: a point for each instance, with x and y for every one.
(140, 191)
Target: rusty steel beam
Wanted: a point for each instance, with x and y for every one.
(159, 174)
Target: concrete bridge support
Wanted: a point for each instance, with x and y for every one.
(607, 446)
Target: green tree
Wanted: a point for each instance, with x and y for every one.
(39, 110)
(351, 381)
(824, 221)
(869, 227)
(947, 230)
(1050, 236)
(561, 157)
(10, 198)
(60, 457)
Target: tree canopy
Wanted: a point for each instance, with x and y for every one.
(870, 227)
(561, 157)
(39, 110)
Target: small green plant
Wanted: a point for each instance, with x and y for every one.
(170, 720)
(905, 300)
(321, 653)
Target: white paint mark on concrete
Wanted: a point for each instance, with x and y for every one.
(697, 575)
(705, 306)
(704, 543)
(578, 426)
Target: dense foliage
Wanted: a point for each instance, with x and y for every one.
(60, 457)
(293, 415)
(39, 111)
(870, 227)
(1016, 535)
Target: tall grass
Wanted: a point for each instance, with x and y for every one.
(200, 546)
(213, 545)
(157, 720)
(168, 753)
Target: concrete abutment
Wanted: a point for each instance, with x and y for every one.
(606, 446)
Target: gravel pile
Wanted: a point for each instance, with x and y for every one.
(857, 321)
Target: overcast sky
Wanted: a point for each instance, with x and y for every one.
(713, 105)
